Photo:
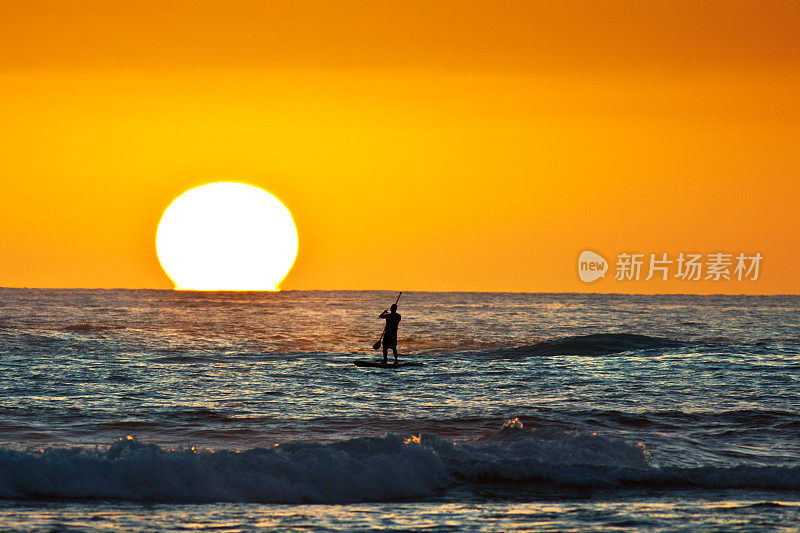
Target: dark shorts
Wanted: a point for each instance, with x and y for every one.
(390, 341)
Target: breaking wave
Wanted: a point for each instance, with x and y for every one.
(386, 468)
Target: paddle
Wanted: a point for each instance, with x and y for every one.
(377, 345)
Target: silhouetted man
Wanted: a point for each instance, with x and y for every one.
(390, 333)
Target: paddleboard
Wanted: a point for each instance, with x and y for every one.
(381, 364)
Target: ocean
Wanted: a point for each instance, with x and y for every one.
(165, 410)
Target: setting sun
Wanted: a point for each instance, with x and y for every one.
(226, 236)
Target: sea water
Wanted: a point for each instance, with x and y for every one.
(163, 410)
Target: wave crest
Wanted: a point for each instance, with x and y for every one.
(85, 327)
(596, 344)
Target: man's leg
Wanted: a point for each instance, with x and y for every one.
(394, 349)
(385, 352)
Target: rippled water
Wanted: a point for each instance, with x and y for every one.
(158, 409)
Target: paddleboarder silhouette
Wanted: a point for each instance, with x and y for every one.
(390, 333)
(389, 336)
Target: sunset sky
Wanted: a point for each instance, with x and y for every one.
(419, 145)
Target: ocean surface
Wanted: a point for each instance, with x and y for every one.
(163, 410)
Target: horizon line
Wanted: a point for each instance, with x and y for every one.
(394, 290)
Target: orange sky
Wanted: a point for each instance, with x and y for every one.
(419, 145)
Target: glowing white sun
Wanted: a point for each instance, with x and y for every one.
(226, 236)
